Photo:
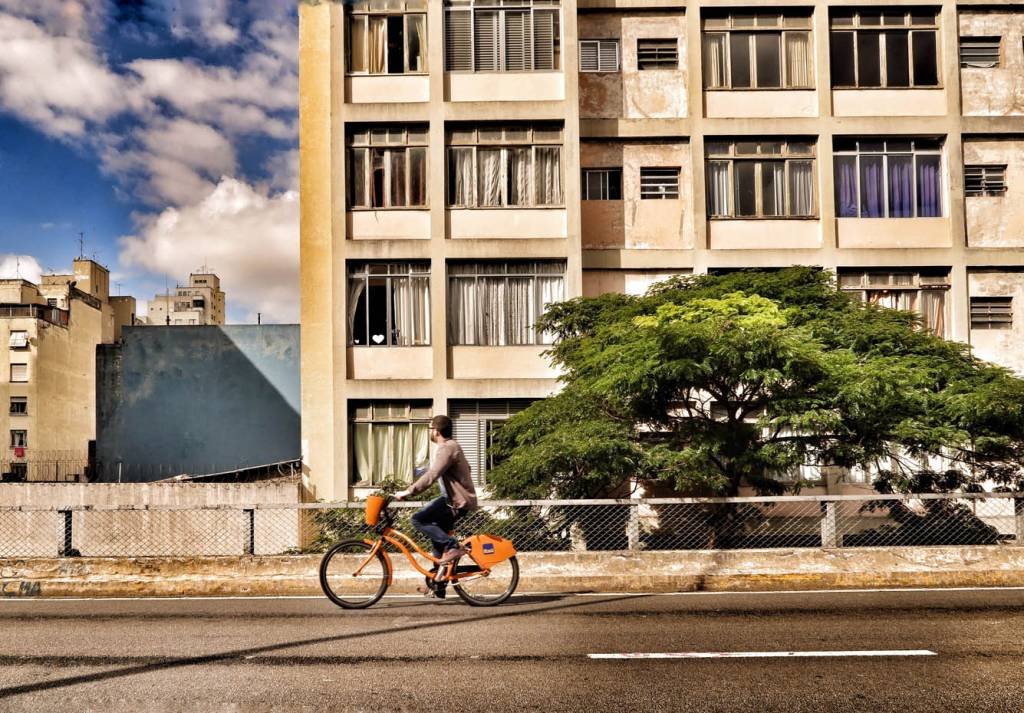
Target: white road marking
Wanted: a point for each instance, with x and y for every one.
(765, 654)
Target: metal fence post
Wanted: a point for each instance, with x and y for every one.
(249, 546)
(1018, 516)
(65, 533)
(829, 536)
(633, 527)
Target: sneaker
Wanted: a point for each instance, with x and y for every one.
(453, 554)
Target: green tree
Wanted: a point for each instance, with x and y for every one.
(709, 382)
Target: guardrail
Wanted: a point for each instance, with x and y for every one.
(816, 521)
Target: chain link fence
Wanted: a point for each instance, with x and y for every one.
(533, 525)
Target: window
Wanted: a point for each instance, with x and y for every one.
(389, 304)
(18, 339)
(760, 179)
(985, 180)
(979, 52)
(885, 48)
(19, 373)
(389, 440)
(474, 424)
(392, 39)
(922, 291)
(602, 184)
(659, 182)
(758, 51)
(505, 166)
(388, 167)
(19, 439)
(499, 303)
(890, 178)
(19, 406)
(991, 313)
(657, 54)
(51, 301)
(518, 36)
(599, 55)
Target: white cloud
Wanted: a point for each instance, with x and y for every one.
(25, 267)
(248, 237)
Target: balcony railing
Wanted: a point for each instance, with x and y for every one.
(53, 315)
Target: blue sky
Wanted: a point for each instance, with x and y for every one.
(165, 131)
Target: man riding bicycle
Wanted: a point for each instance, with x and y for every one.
(451, 471)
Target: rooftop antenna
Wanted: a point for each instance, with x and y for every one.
(117, 286)
(81, 246)
(167, 301)
(17, 266)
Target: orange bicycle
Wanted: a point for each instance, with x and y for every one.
(355, 574)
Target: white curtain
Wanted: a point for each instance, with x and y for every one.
(933, 311)
(460, 166)
(714, 61)
(549, 175)
(801, 188)
(416, 32)
(718, 188)
(357, 178)
(417, 176)
(492, 305)
(421, 444)
(551, 289)
(377, 42)
(402, 466)
(798, 60)
(383, 451)
(521, 310)
(398, 180)
(361, 451)
(357, 43)
(518, 176)
(773, 188)
(462, 310)
(489, 176)
(355, 291)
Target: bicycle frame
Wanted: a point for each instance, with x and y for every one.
(403, 542)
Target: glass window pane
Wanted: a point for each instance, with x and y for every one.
(377, 311)
(746, 193)
(714, 61)
(872, 187)
(417, 176)
(357, 44)
(416, 36)
(769, 60)
(841, 50)
(489, 177)
(548, 179)
(357, 178)
(901, 187)
(801, 188)
(897, 59)
(398, 178)
(871, 18)
(592, 187)
(869, 69)
(798, 59)
(377, 184)
(929, 186)
(460, 177)
(377, 44)
(396, 44)
(518, 176)
(357, 310)
(773, 196)
(615, 185)
(926, 73)
(718, 188)
(739, 57)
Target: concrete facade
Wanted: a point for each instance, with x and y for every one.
(637, 113)
(199, 302)
(196, 400)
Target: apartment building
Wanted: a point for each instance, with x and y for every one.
(50, 332)
(467, 162)
(201, 301)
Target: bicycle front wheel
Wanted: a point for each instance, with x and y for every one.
(340, 582)
(487, 590)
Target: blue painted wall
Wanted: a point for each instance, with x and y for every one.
(196, 400)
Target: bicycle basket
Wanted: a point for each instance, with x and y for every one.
(374, 506)
(489, 550)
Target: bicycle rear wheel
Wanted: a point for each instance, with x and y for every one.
(490, 589)
(339, 581)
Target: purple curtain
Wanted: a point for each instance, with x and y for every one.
(929, 185)
(846, 186)
(901, 187)
(872, 187)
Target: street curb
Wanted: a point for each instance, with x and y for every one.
(560, 572)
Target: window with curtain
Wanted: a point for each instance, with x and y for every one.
(757, 51)
(499, 303)
(387, 167)
(921, 291)
(872, 49)
(888, 178)
(511, 166)
(389, 440)
(389, 304)
(513, 36)
(387, 38)
(760, 179)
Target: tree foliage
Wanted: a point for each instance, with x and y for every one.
(709, 382)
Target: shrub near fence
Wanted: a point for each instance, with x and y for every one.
(534, 525)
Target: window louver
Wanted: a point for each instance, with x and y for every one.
(984, 180)
(458, 40)
(979, 52)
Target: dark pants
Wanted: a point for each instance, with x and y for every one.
(435, 520)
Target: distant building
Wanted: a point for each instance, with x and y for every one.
(51, 331)
(201, 301)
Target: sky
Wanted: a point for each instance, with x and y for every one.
(165, 132)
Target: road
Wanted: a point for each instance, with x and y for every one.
(530, 655)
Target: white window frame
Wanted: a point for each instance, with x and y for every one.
(416, 413)
(19, 438)
(366, 139)
(389, 271)
(14, 366)
(603, 49)
(867, 282)
(908, 24)
(363, 11)
(761, 23)
(18, 400)
(885, 153)
(788, 154)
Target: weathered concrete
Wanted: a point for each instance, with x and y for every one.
(749, 570)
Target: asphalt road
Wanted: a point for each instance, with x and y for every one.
(530, 655)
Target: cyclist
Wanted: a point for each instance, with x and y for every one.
(451, 471)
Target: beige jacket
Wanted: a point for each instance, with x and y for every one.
(451, 466)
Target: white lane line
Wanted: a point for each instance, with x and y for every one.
(765, 654)
(798, 591)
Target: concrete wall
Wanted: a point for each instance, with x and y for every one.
(996, 221)
(197, 400)
(998, 91)
(1002, 346)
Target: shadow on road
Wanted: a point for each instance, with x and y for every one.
(169, 663)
